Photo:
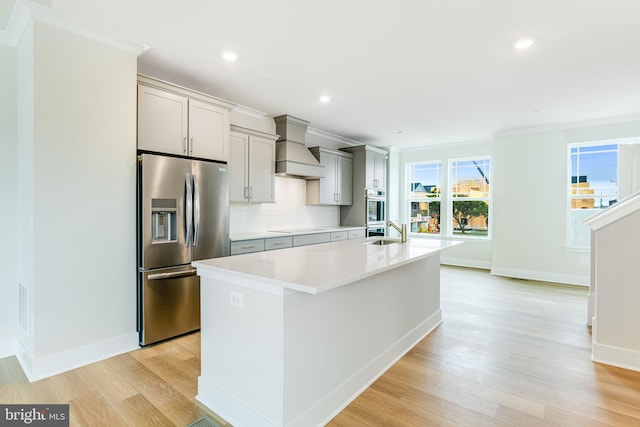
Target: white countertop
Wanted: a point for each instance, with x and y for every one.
(318, 268)
(289, 232)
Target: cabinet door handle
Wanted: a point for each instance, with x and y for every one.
(184, 145)
(191, 145)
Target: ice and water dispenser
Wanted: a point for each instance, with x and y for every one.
(164, 214)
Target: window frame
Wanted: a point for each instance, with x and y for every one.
(451, 199)
(409, 166)
(572, 242)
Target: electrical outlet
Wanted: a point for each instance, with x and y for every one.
(584, 260)
(236, 299)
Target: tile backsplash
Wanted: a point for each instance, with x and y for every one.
(290, 211)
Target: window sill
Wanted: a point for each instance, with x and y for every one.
(577, 249)
(476, 239)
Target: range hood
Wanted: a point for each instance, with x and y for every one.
(292, 156)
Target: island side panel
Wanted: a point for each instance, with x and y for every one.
(242, 352)
(338, 342)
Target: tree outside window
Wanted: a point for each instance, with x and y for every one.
(470, 193)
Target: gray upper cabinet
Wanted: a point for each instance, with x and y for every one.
(252, 166)
(175, 120)
(376, 170)
(336, 188)
(369, 172)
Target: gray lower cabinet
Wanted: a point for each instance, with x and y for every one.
(278, 243)
(311, 239)
(356, 234)
(246, 246)
(339, 235)
(239, 247)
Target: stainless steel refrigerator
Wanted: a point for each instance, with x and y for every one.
(183, 216)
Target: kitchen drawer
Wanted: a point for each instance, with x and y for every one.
(278, 243)
(356, 234)
(339, 235)
(246, 246)
(311, 239)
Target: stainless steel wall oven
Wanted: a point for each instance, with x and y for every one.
(376, 212)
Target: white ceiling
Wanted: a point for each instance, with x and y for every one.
(441, 70)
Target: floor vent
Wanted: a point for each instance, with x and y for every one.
(22, 307)
(204, 422)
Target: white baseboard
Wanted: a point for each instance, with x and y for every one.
(43, 367)
(469, 263)
(352, 387)
(228, 407)
(616, 356)
(235, 413)
(591, 308)
(543, 276)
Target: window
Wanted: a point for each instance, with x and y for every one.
(463, 198)
(470, 194)
(594, 172)
(592, 185)
(425, 190)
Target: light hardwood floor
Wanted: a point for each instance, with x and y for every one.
(509, 353)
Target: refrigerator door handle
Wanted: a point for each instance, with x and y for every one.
(162, 276)
(188, 210)
(196, 211)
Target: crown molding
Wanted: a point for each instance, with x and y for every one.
(332, 136)
(248, 111)
(26, 11)
(568, 125)
(445, 145)
(254, 132)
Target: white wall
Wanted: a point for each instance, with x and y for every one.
(530, 209)
(530, 202)
(9, 196)
(25, 205)
(78, 164)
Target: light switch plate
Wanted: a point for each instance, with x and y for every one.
(236, 299)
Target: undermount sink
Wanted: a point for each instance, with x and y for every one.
(381, 242)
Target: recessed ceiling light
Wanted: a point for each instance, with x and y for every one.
(523, 44)
(539, 110)
(324, 99)
(229, 56)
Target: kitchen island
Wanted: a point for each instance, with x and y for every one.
(290, 337)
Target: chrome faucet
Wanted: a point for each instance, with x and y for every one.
(402, 231)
